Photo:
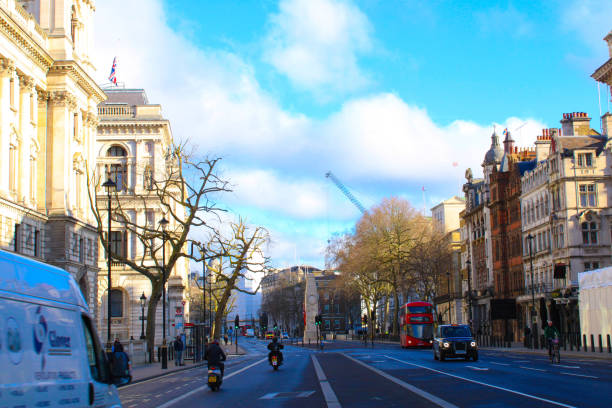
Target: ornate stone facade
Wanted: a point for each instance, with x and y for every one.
(133, 139)
(47, 98)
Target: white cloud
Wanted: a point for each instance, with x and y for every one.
(316, 43)
(590, 19)
(277, 159)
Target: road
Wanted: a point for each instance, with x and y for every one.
(349, 375)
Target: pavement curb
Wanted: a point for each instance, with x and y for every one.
(602, 356)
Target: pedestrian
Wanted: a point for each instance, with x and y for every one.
(178, 351)
(120, 364)
(527, 336)
(117, 346)
(225, 339)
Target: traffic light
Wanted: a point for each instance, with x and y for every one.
(275, 327)
(237, 322)
(318, 320)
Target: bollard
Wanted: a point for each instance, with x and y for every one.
(571, 342)
(609, 348)
(584, 342)
(592, 343)
(564, 337)
(600, 344)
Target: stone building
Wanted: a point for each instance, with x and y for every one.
(506, 239)
(476, 242)
(567, 213)
(48, 119)
(449, 299)
(133, 144)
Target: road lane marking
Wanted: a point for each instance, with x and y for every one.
(502, 364)
(534, 369)
(483, 383)
(477, 368)
(330, 397)
(564, 366)
(202, 388)
(579, 375)
(430, 397)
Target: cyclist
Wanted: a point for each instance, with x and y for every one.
(550, 333)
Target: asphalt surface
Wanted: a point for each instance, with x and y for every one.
(346, 374)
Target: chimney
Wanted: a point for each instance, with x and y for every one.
(608, 39)
(606, 124)
(576, 124)
(542, 144)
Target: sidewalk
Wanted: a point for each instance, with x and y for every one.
(147, 371)
(564, 353)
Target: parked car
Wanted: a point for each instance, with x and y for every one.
(51, 343)
(455, 341)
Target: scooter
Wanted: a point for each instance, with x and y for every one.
(276, 360)
(215, 378)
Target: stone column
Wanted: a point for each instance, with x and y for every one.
(311, 304)
(59, 159)
(7, 68)
(26, 87)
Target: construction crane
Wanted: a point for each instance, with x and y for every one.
(345, 191)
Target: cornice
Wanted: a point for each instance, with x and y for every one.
(603, 73)
(19, 37)
(78, 75)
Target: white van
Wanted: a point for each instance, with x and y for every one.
(50, 355)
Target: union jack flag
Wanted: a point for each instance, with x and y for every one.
(113, 74)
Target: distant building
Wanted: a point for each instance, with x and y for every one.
(449, 299)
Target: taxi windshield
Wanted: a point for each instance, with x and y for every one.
(458, 331)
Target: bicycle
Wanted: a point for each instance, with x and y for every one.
(555, 353)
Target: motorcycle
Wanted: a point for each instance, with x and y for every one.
(215, 378)
(276, 360)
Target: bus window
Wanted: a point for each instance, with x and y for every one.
(419, 331)
(420, 309)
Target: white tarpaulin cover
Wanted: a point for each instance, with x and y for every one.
(595, 302)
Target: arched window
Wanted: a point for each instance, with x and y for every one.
(116, 151)
(116, 302)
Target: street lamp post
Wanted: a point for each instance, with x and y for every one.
(143, 299)
(109, 184)
(449, 295)
(164, 351)
(469, 264)
(534, 331)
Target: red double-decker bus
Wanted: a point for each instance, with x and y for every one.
(416, 323)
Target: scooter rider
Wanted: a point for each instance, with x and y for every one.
(215, 355)
(275, 348)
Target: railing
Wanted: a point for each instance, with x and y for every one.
(572, 341)
(121, 111)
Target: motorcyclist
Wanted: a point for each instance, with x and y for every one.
(215, 355)
(275, 348)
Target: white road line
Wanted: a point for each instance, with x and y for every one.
(225, 377)
(477, 368)
(579, 375)
(485, 384)
(438, 401)
(564, 366)
(328, 392)
(534, 369)
(503, 364)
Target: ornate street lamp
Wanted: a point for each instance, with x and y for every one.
(143, 300)
(534, 331)
(109, 185)
(164, 352)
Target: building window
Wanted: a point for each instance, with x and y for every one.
(116, 301)
(116, 151)
(326, 308)
(585, 159)
(588, 195)
(561, 237)
(589, 233)
(116, 174)
(327, 325)
(118, 243)
(337, 324)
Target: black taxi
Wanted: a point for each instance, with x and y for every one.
(454, 341)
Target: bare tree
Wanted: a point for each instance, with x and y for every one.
(184, 194)
(242, 253)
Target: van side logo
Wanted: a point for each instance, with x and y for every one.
(40, 334)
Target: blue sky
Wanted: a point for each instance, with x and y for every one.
(389, 95)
